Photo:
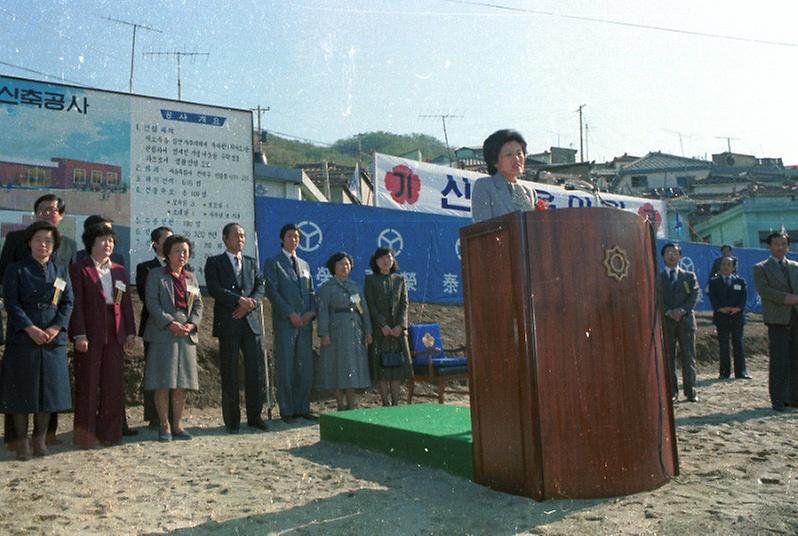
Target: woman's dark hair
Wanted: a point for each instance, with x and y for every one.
(37, 226)
(379, 253)
(494, 143)
(176, 239)
(93, 232)
(335, 257)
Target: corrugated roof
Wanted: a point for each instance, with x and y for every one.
(657, 161)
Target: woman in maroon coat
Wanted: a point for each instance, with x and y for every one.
(102, 328)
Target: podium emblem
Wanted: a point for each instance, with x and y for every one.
(616, 262)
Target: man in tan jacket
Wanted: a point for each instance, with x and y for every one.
(776, 281)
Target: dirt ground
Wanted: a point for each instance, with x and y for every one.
(737, 458)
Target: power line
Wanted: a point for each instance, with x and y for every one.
(626, 24)
(61, 35)
(46, 75)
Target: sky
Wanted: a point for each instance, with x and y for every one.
(329, 69)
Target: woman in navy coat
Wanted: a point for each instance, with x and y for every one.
(34, 377)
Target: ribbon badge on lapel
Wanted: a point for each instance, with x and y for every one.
(59, 285)
(193, 292)
(686, 287)
(355, 299)
(120, 291)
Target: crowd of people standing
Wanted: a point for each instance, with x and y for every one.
(55, 293)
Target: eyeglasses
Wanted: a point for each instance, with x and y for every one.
(46, 211)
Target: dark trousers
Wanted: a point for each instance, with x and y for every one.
(230, 347)
(99, 391)
(293, 363)
(682, 334)
(731, 331)
(783, 368)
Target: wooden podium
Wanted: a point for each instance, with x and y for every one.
(569, 395)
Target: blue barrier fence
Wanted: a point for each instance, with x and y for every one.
(427, 245)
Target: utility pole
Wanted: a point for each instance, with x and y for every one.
(178, 54)
(728, 141)
(260, 112)
(445, 134)
(135, 26)
(581, 142)
(587, 146)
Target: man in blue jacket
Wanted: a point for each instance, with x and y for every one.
(728, 294)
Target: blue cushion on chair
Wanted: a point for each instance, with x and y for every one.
(442, 362)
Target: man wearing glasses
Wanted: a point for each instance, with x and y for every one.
(49, 208)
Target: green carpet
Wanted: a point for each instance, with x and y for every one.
(434, 435)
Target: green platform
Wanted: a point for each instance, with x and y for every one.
(434, 435)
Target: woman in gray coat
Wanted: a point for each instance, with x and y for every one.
(175, 307)
(344, 330)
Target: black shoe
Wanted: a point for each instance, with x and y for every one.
(260, 424)
(231, 430)
(779, 408)
(723, 377)
(743, 377)
(309, 417)
(288, 419)
(127, 431)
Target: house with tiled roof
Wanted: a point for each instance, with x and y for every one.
(660, 175)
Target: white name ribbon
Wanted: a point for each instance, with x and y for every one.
(120, 286)
(59, 283)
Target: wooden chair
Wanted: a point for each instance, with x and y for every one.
(432, 362)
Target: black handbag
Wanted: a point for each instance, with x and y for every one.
(391, 359)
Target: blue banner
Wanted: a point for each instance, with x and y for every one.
(427, 246)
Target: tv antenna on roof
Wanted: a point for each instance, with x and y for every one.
(178, 54)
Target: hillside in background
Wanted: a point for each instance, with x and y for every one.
(288, 153)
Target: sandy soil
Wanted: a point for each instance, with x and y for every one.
(739, 475)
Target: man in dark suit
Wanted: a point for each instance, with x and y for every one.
(776, 280)
(678, 294)
(290, 290)
(728, 294)
(237, 287)
(725, 251)
(49, 208)
(158, 236)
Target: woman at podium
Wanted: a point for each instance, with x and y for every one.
(502, 192)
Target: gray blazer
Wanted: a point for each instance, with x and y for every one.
(683, 294)
(160, 298)
(491, 198)
(772, 286)
(287, 292)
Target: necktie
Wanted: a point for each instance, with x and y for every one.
(293, 263)
(237, 267)
(727, 279)
(673, 276)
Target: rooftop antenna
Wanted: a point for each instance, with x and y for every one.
(178, 54)
(135, 26)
